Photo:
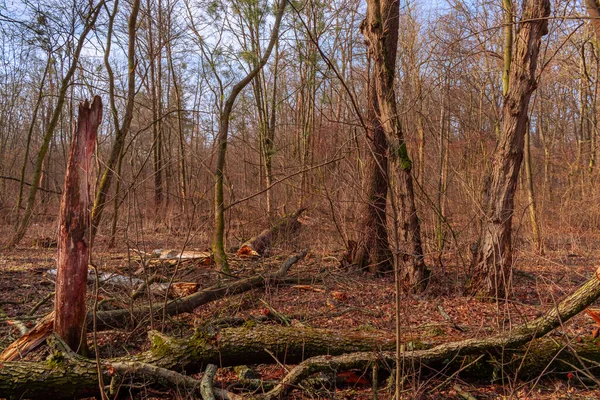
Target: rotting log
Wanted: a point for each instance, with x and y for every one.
(284, 227)
(67, 375)
(73, 257)
(120, 318)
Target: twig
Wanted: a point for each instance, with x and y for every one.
(41, 303)
(206, 384)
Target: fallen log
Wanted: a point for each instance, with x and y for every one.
(68, 376)
(257, 245)
(456, 353)
(120, 318)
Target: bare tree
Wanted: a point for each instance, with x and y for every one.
(493, 261)
(121, 129)
(222, 138)
(56, 114)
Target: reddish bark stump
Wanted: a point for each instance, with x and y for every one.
(72, 269)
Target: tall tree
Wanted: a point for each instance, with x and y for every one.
(121, 129)
(218, 245)
(380, 29)
(89, 23)
(493, 259)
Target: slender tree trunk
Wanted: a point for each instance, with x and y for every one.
(56, 114)
(121, 129)
(73, 257)
(493, 260)
(218, 245)
(533, 214)
(30, 133)
(180, 130)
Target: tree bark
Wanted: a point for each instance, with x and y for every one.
(373, 248)
(73, 257)
(493, 261)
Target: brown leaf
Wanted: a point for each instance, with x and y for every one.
(595, 316)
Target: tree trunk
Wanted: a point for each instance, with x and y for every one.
(373, 249)
(218, 245)
(73, 257)
(380, 29)
(123, 129)
(49, 132)
(533, 214)
(492, 263)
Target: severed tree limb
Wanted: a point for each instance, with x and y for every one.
(206, 385)
(29, 340)
(120, 318)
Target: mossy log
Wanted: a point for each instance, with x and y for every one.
(66, 375)
(258, 245)
(449, 356)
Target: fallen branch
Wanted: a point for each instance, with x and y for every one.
(206, 385)
(119, 318)
(322, 350)
(30, 340)
(440, 357)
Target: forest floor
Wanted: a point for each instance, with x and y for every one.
(338, 299)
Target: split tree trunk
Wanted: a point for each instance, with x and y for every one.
(380, 29)
(493, 261)
(73, 257)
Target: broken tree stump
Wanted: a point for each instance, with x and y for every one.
(259, 244)
(73, 257)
